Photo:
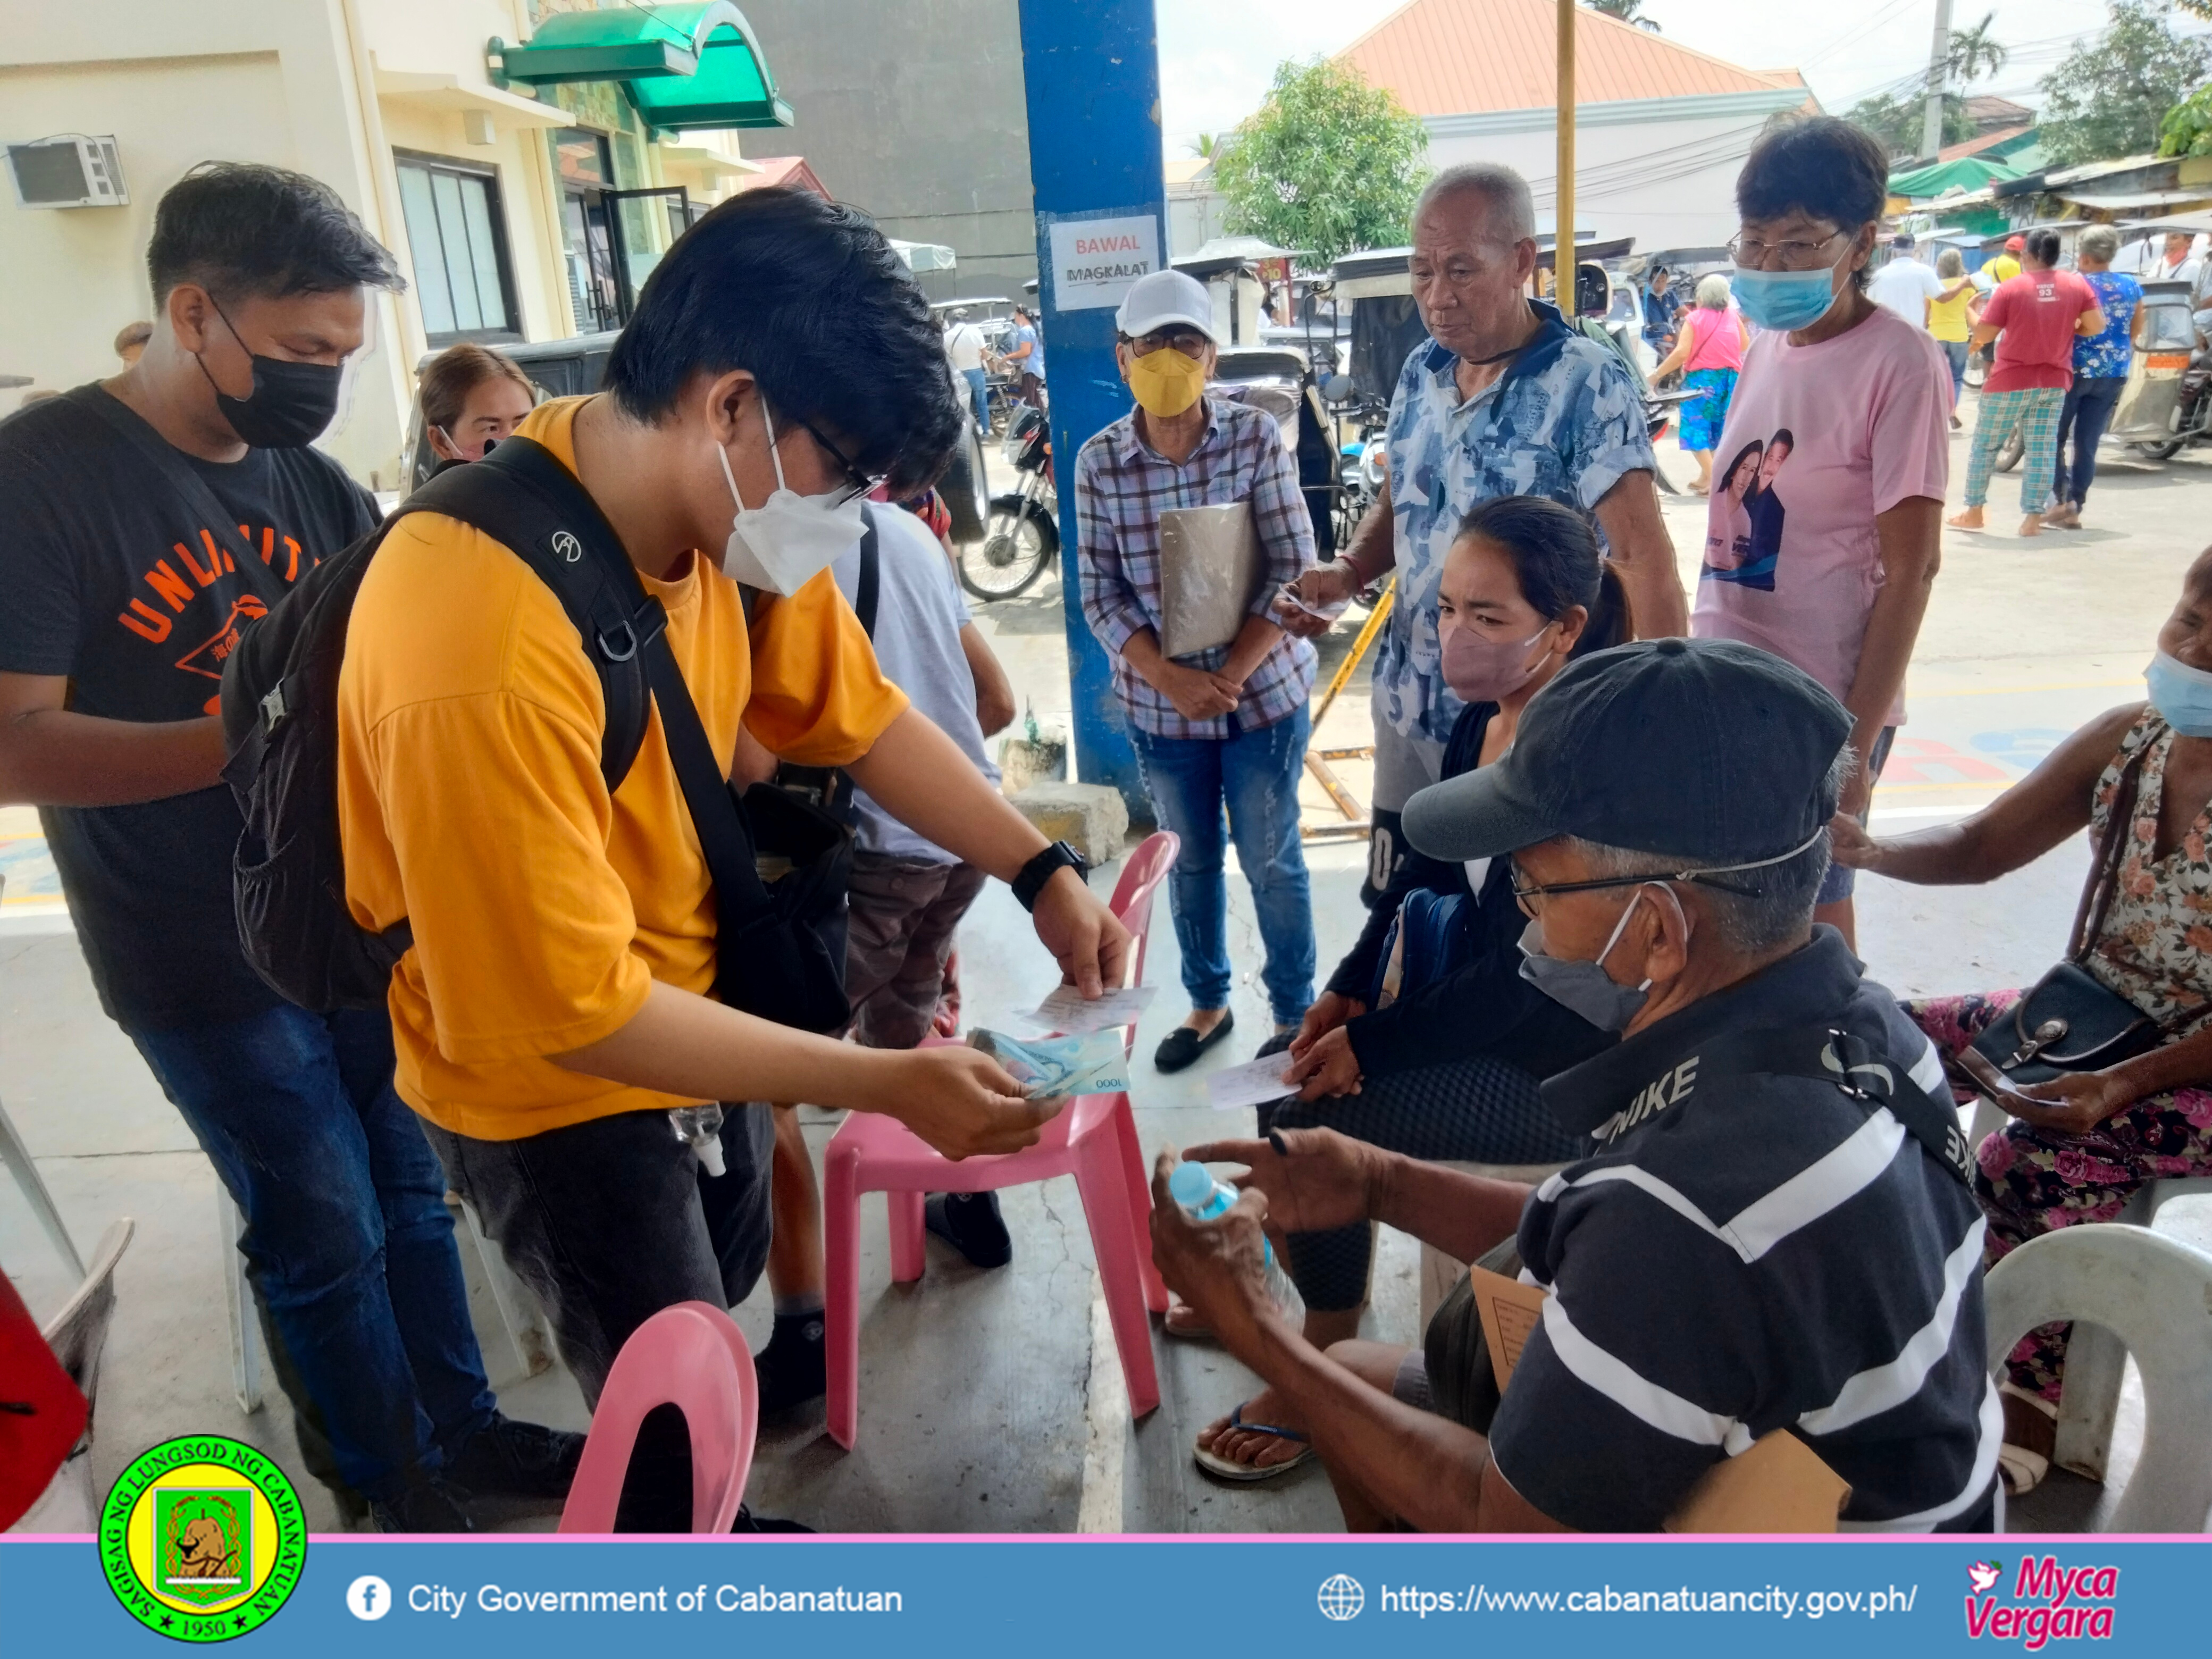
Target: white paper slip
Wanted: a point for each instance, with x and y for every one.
(1065, 1010)
(1252, 1084)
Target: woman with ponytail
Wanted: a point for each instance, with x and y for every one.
(1448, 1070)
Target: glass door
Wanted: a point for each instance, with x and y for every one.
(594, 289)
(644, 225)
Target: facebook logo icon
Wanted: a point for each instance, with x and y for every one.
(368, 1597)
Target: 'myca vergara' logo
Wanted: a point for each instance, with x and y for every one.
(2049, 1602)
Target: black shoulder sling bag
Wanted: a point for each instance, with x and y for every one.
(779, 946)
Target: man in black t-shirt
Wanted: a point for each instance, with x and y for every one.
(151, 519)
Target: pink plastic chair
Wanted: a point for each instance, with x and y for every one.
(1094, 1139)
(693, 1357)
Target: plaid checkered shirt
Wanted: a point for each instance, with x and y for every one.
(1121, 488)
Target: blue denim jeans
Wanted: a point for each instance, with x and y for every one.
(979, 389)
(2087, 410)
(1255, 775)
(1954, 354)
(347, 1237)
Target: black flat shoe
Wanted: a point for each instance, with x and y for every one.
(1183, 1046)
(506, 1458)
(971, 1223)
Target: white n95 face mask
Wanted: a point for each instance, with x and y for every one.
(789, 540)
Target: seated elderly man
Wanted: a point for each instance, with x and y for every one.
(1773, 1230)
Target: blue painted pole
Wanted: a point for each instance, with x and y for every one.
(1093, 76)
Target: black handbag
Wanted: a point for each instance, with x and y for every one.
(2071, 1021)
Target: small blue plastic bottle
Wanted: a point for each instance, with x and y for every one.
(1202, 1199)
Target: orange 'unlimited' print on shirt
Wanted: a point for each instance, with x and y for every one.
(471, 802)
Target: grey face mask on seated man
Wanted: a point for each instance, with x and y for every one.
(1584, 986)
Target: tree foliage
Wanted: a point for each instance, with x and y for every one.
(2110, 96)
(1329, 164)
(1898, 121)
(1971, 53)
(1632, 11)
(1898, 118)
(2187, 129)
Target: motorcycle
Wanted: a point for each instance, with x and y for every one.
(1021, 537)
(1365, 465)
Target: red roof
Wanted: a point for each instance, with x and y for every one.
(790, 171)
(1470, 57)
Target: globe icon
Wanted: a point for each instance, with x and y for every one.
(1341, 1598)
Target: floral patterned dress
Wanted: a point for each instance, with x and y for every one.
(2155, 948)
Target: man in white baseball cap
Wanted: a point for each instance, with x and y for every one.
(1157, 302)
(1218, 729)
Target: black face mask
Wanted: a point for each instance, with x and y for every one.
(292, 404)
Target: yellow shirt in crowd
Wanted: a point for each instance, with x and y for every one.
(1947, 318)
(2003, 268)
(471, 802)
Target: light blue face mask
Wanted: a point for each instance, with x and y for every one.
(1785, 300)
(2181, 694)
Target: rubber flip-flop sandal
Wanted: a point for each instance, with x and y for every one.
(1249, 1473)
(2023, 1470)
(1184, 1332)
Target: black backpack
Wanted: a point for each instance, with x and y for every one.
(779, 944)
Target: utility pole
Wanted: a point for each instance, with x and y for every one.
(1931, 123)
(1563, 216)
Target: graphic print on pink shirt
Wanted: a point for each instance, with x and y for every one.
(1820, 440)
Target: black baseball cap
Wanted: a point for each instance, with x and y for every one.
(1708, 750)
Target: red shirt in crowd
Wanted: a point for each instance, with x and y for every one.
(2036, 310)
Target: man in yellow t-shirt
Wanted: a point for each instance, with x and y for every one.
(554, 1005)
(2006, 265)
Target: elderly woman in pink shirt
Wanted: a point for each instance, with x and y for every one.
(1826, 557)
(1709, 351)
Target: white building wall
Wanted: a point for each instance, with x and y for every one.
(287, 82)
(1661, 170)
(268, 81)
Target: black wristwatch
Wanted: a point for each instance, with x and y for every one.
(1041, 869)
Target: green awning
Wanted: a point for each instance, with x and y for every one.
(681, 67)
(1967, 173)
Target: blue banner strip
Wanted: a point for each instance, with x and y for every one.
(829, 1598)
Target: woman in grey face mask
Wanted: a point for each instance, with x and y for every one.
(1449, 1068)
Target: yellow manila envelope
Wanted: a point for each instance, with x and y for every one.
(1779, 1485)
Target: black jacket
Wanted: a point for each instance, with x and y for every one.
(1484, 1010)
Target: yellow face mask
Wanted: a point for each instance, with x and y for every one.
(1165, 382)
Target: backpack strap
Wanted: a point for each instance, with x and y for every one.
(523, 498)
(1826, 1055)
(575, 543)
(865, 591)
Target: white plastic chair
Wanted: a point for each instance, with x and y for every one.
(2151, 1295)
(519, 1310)
(2094, 1360)
(18, 1157)
(238, 1299)
(77, 1332)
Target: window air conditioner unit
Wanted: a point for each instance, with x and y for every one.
(70, 171)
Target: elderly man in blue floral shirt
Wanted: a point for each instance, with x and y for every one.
(1219, 729)
(1503, 399)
